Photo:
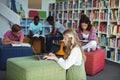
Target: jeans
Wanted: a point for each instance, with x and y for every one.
(49, 41)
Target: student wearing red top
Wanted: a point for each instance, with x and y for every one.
(87, 34)
(13, 36)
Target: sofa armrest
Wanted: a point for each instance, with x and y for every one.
(8, 51)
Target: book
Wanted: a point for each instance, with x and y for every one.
(47, 29)
(84, 40)
(38, 35)
(118, 29)
(118, 56)
(114, 30)
(22, 44)
(118, 43)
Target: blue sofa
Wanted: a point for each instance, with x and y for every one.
(0, 41)
(8, 51)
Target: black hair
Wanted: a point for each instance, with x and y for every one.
(36, 17)
(85, 19)
(50, 18)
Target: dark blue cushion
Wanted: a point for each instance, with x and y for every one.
(8, 51)
(0, 41)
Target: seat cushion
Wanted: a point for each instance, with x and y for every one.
(30, 68)
(94, 61)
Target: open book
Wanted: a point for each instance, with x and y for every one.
(84, 40)
(22, 44)
(37, 35)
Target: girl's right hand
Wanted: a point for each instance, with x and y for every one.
(51, 56)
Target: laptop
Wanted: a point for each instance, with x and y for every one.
(40, 56)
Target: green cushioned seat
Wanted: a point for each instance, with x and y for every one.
(29, 68)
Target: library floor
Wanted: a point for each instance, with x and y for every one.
(110, 72)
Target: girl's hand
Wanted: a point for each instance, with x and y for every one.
(51, 54)
(51, 57)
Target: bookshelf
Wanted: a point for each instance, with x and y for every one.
(25, 22)
(104, 16)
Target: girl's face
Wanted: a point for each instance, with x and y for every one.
(65, 39)
(84, 26)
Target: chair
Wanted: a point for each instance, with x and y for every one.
(94, 61)
(61, 50)
(9, 51)
(30, 68)
(36, 45)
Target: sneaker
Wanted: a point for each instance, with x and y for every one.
(88, 50)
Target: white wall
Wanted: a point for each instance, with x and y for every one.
(3, 1)
(45, 5)
(4, 25)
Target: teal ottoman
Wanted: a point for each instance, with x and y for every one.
(30, 68)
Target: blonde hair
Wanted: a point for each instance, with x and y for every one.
(73, 40)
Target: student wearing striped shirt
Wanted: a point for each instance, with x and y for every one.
(13, 36)
(87, 34)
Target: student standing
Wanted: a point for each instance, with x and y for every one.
(56, 34)
(87, 34)
(13, 36)
(74, 57)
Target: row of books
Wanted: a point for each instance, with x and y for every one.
(111, 55)
(113, 15)
(103, 27)
(69, 15)
(100, 3)
(94, 14)
(66, 15)
(114, 3)
(118, 43)
(118, 55)
(113, 29)
(98, 15)
(103, 40)
(25, 22)
(81, 4)
(109, 41)
(103, 15)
